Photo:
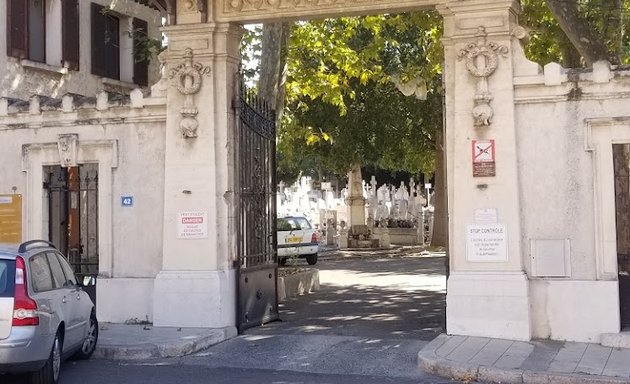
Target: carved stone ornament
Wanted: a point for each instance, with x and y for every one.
(68, 146)
(266, 5)
(482, 60)
(190, 6)
(187, 78)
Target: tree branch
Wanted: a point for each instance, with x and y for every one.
(579, 31)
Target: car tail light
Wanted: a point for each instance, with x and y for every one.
(314, 238)
(24, 308)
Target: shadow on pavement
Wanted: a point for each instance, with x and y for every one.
(401, 297)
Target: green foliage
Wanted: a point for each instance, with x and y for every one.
(251, 47)
(548, 43)
(146, 47)
(325, 55)
(342, 106)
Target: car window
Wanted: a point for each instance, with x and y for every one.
(57, 273)
(70, 276)
(302, 223)
(283, 225)
(7, 278)
(292, 224)
(41, 277)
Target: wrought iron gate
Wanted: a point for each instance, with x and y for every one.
(256, 221)
(72, 201)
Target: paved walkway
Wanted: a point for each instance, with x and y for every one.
(505, 361)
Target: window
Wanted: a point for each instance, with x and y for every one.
(57, 273)
(7, 278)
(105, 43)
(141, 63)
(41, 277)
(116, 46)
(70, 277)
(45, 31)
(292, 223)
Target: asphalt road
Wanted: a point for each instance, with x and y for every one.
(366, 325)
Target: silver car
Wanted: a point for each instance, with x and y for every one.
(45, 316)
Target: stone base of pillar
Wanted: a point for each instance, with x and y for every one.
(137, 305)
(574, 310)
(489, 304)
(195, 299)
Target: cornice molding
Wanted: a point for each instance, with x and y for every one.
(268, 10)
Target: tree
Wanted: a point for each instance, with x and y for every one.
(341, 96)
(577, 32)
(343, 105)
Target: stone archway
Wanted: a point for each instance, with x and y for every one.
(482, 54)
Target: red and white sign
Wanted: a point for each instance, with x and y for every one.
(483, 155)
(192, 225)
(483, 151)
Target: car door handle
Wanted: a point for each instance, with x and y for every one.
(63, 300)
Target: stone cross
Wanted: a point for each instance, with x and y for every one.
(412, 198)
(373, 197)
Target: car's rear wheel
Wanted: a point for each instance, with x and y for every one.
(89, 344)
(49, 374)
(311, 259)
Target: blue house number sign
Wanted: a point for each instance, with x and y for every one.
(126, 201)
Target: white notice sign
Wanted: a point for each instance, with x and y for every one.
(192, 225)
(486, 216)
(486, 243)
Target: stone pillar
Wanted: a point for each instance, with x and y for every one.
(355, 200)
(488, 292)
(196, 286)
(373, 198)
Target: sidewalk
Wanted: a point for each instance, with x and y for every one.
(505, 361)
(134, 342)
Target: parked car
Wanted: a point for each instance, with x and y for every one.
(45, 316)
(296, 238)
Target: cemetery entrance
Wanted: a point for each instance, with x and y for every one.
(255, 186)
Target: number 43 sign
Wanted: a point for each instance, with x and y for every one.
(483, 158)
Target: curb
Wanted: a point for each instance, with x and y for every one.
(297, 284)
(182, 347)
(431, 363)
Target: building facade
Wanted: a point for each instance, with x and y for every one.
(54, 47)
(536, 160)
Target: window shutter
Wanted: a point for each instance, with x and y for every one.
(140, 63)
(70, 33)
(17, 39)
(98, 40)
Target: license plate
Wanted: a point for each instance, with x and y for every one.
(294, 239)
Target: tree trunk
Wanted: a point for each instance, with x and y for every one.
(275, 41)
(440, 214)
(571, 58)
(579, 31)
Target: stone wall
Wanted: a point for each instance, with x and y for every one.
(567, 121)
(125, 137)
